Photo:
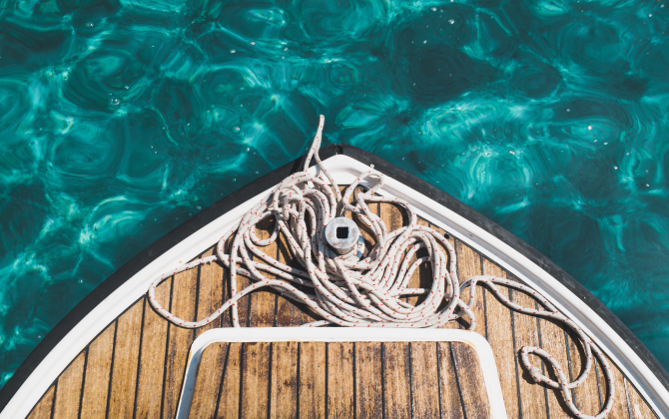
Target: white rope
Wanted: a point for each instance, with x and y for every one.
(346, 291)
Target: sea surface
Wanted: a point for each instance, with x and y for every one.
(119, 120)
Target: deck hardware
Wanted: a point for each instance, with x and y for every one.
(342, 235)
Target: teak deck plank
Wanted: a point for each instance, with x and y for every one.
(136, 364)
(425, 381)
(638, 407)
(366, 233)
(184, 297)
(586, 396)
(67, 400)
(226, 317)
(96, 379)
(263, 303)
(501, 342)
(228, 399)
(451, 240)
(451, 401)
(312, 372)
(256, 360)
(243, 304)
(148, 399)
(469, 265)
(422, 276)
(284, 379)
(340, 380)
(210, 293)
(425, 373)
(526, 332)
(619, 409)
(124, 363)
(287, 312)
(255, 380)
(393, 217)
(44, 407)
(465, 361)
(470, 377)
(397, 379)
(208, 381)
(553, 341)
(368, 370)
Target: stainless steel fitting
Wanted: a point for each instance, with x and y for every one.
(342, 234)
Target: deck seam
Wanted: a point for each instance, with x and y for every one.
(167, 346)
(275, 321)
(485, 302)
(457, 380)
(271, 350)
(111, 371)
(139, 362)
(220, 386)
(515, 357)
(447, 236)
(457, 269)
(571, 376)
(297, 378)
(411, 380)
(383, 380)
(599, 388)
(355, 383)
(83, 381)
(241, 378)
(436, 346)
(627, 397)
(543, 366)
(327, 379)
(53, 399)
(269, 380)
(225, 289)
(197, 294)
(242, 358)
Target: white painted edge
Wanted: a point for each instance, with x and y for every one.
(344, 170)
(344, 334)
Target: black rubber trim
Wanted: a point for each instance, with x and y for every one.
(269, 180)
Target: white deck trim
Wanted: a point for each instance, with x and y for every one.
(344, 169)
(344, 334)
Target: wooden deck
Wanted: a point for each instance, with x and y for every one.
(135, 367)
(350, 379)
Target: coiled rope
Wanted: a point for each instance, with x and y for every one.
(346, 291)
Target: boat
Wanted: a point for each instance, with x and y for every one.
(459, 319)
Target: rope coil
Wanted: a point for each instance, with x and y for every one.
(346, 291)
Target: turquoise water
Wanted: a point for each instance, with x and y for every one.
(121, 119)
